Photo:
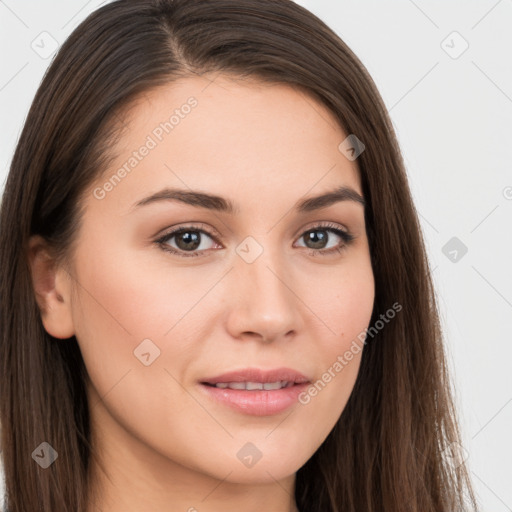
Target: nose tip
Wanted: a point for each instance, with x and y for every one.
(264, 305)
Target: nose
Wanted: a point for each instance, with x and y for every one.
(262, 303)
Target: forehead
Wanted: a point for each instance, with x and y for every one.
(229, 136)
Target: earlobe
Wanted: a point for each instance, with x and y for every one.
(52, 289)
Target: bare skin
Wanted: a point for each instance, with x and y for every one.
(164, 444)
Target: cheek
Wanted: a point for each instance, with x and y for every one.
(122, 314)
(342, 301)
(351, 318)
(345, 309)
(128, 307)
(116, 311)
(132, 296)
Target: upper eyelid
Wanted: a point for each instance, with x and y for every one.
(327, 225)
(199, 227)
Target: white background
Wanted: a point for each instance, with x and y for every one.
(453, 117)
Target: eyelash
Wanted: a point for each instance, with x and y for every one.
(344, 235)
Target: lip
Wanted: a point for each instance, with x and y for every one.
(258, 375)
(256, 402)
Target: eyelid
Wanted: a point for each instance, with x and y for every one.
(196, 226)
(346, 236)
(322, 224)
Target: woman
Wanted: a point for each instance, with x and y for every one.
(215, 292)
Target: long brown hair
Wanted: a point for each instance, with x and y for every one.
(387, 451)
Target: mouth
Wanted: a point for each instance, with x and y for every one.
(256, 392)
(252, 386)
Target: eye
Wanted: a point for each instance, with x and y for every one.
(319, 237)
(193, 241)
(188, 239)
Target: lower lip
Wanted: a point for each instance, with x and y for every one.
(258, 402)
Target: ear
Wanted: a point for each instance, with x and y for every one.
(52, 288)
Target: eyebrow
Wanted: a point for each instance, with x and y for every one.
(221, 204)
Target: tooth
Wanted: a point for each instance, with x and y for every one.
(253, 385)
(273, 385)
(236, 385)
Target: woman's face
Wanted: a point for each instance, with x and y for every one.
(157, 315)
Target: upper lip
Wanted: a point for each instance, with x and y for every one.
(258, 375)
